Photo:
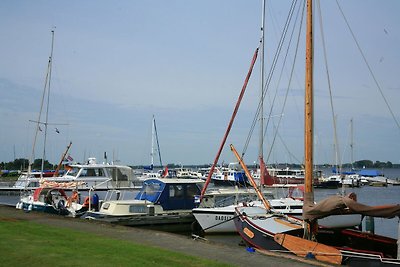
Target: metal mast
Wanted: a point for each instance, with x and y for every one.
(262, 41)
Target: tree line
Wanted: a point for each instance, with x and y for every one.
(22, 164)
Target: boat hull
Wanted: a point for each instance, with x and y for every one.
(357, 248)
(249, 229)
(177, 222)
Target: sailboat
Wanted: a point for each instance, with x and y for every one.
(25, 178)
(148, 170)
(344, 245)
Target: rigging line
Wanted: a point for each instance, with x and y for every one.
(40, 113)
(338, 160)
(290, 77)
(369, 67)
(48, 104)
(287, 149)
(158, 144)
(266, 86)
(345, 147)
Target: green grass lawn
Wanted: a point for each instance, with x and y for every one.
(24, 243)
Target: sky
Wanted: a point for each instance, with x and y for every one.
(118, 63)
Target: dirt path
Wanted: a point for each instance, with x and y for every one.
(236, 256)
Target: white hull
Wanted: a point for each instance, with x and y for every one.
(220, 219)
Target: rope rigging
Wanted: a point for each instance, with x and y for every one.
(271, 72)
(336, 141)
(368, 66)
(290, 78)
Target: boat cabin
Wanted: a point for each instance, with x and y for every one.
(171, 194)
(159, 196)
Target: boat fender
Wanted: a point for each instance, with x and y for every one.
(250, 249)
(310, 255)
(86, 202)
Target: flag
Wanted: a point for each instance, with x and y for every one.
(69, 158)
(265, 177)
(57, 131)
(165, 174)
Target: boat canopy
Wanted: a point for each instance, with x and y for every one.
(370, 173)
(335, 170)
(340, 205)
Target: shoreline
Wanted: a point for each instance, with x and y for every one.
(233, 255)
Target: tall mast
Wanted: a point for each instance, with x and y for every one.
(308, 119)
(152, 142)
(262, 41)
(48, 103)
(351, 143)
(158, 143)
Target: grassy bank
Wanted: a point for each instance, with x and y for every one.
(25, 243)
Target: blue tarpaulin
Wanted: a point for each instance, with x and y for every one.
(370, 173)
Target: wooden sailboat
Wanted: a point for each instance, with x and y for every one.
(347, 246)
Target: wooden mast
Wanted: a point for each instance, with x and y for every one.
(251, 179)
(308, 119)
(61, 160)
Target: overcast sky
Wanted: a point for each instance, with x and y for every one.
(116, 63)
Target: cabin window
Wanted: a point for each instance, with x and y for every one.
(118, 175)
(75, 171)
(176, 191)
(99, 172)
(33, 184)
(192, 190)
(90, 172)
(151, 189)
(137, 209)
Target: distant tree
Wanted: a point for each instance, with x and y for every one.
(37, 164)
(363, 163)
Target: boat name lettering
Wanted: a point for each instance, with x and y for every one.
(222, 217)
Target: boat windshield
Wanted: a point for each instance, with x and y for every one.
(150, 191)
(73, 171)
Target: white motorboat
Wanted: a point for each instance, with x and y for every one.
(216, 211)
(99, 176)
(161, 202)
(53, 200)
